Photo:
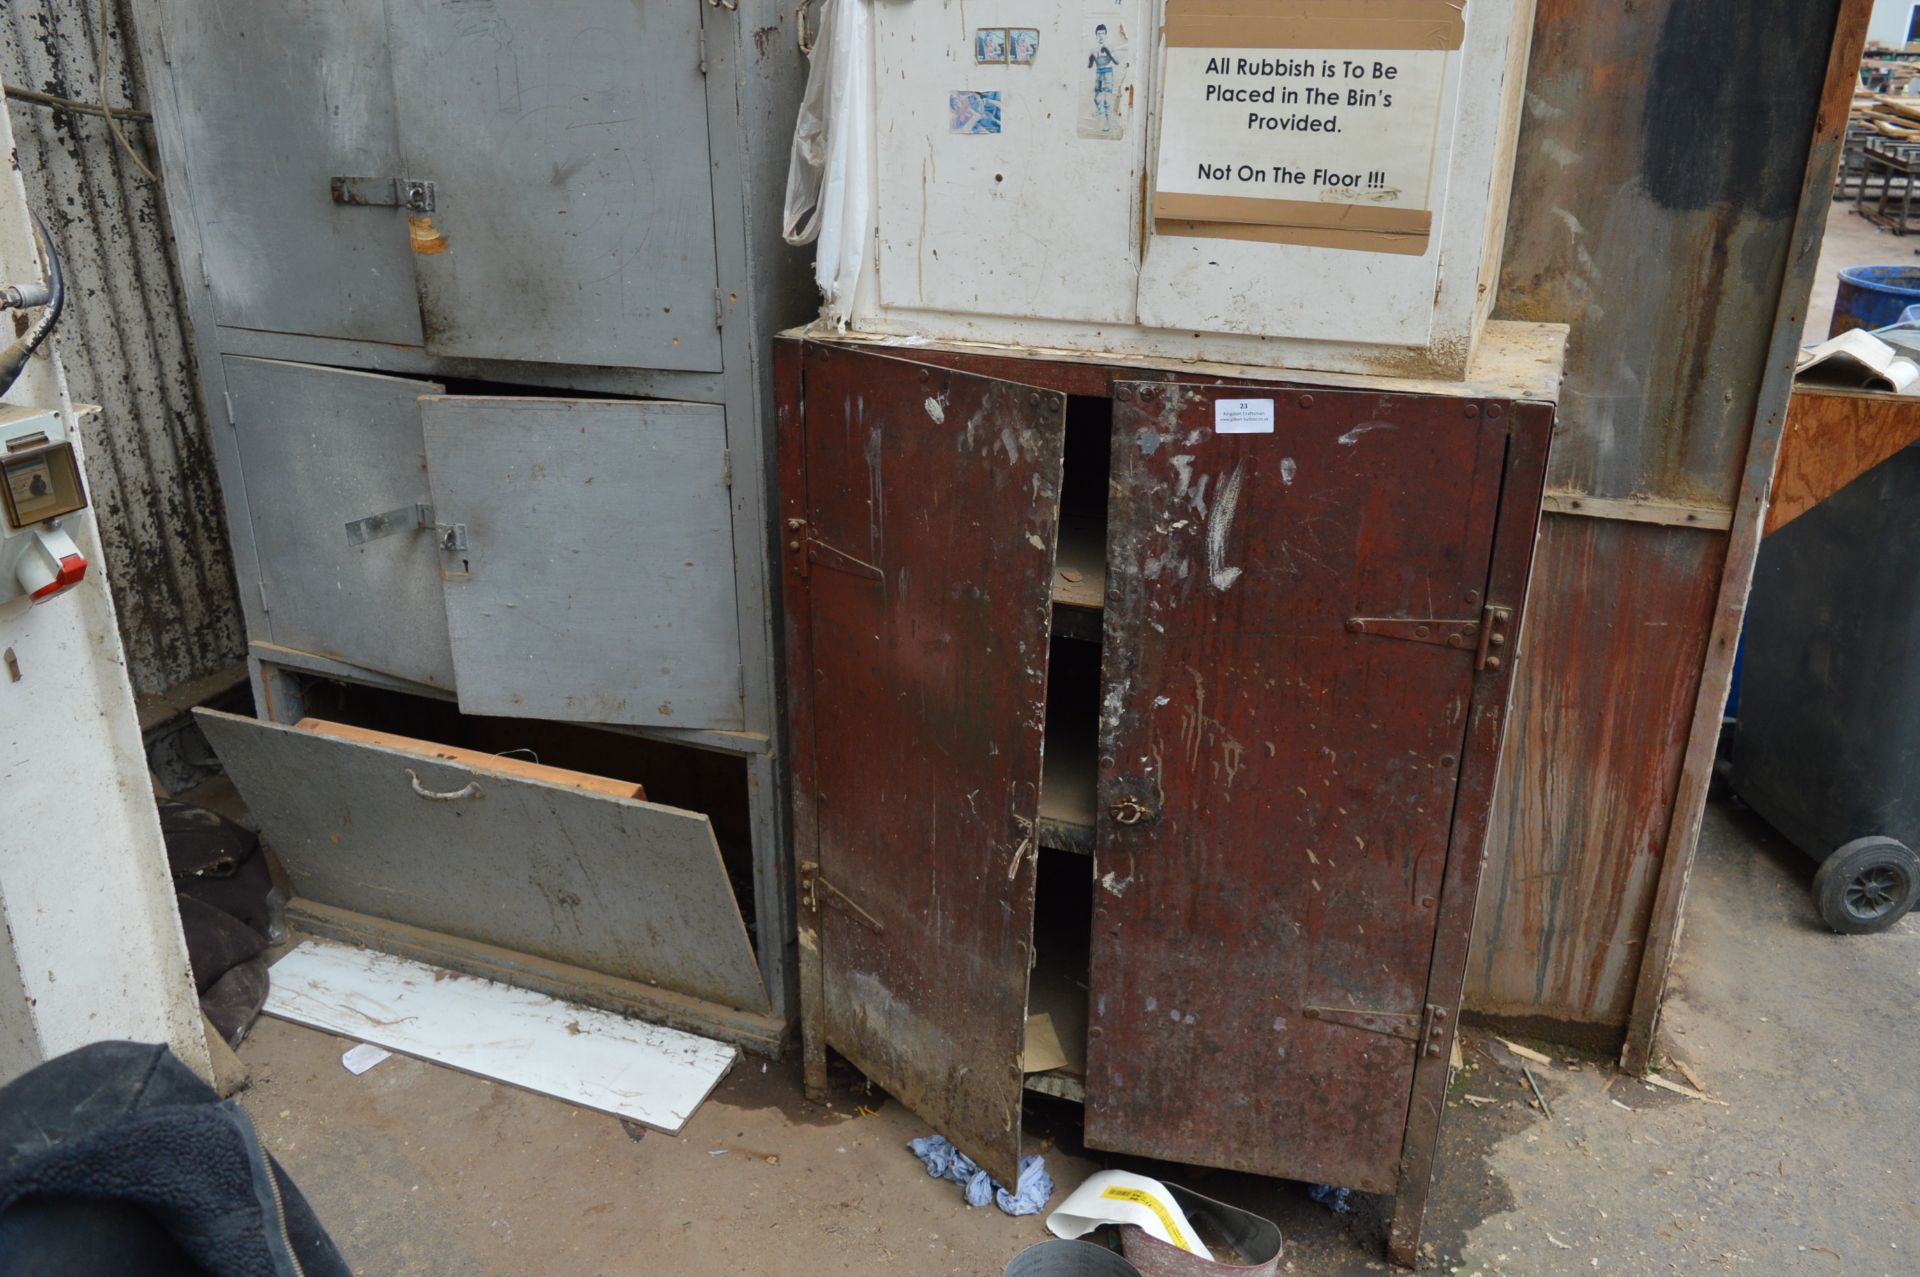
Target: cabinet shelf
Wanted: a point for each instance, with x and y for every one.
(1067, 788)
(1080, 568)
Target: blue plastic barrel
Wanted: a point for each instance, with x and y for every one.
(1874, 296)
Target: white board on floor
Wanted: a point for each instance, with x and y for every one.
(653, 1075)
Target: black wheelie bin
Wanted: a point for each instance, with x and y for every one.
(1827, 743)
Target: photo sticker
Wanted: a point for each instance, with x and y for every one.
(972, 112)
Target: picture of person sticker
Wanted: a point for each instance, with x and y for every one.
(1106, 74)
(1105, 90)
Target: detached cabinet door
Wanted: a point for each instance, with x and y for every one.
(1288, 670)
(573, 196)
(923, 565)
(590, 575)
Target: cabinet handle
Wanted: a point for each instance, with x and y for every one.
(1128, 810)
(804, 32)
(469, 790)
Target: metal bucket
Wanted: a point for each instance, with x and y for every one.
(1254, 1240)
(1069, 1259)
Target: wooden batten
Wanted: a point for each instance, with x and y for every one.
(498, 764)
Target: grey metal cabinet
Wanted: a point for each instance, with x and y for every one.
(485, 293)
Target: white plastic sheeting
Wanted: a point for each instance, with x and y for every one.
(828, 195)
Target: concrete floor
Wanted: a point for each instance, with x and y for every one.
(1851, 240)
(1810, 1039)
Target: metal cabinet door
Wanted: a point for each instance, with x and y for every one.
(596, 582)
(273, 101)
(1292, 636)
(618, 885)
(320, 448)
(567, 145)
(918, 588)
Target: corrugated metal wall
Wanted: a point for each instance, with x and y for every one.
(125, 343)
(1654, 202)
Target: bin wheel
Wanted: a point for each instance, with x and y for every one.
(1867, 885)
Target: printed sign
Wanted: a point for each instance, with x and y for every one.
(1317, 144)
(1243, 416)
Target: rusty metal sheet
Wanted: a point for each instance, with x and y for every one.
(926, 548)
(1614, 635)
(1654, 193)
(1277, 786)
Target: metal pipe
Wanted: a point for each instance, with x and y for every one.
(57, 103)
(13, 360)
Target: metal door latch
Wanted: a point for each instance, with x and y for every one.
(410, 193)
(1128, 810)
(417, 517)
(808, 550)
(812, 884)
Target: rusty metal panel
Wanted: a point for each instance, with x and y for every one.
(1654, 194)
(1277, 780)
(1613, 642)
(926, 550)
(125, 343)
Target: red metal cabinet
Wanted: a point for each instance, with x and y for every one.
(1281, 758)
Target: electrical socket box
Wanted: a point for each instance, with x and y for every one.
(40, 484)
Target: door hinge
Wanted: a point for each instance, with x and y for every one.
(805, 551)
(1494, 637)
(812, 883)
(1485, 634)
(726, 466)
(1394, 1024)
(703, 48)
(228, 396)
(719, 309)
(1428, 1028)
(1446, 633)
(261, 586)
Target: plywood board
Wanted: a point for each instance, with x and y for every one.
(1832, 438)
(648, 1074)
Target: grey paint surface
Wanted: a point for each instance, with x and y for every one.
(632, 889)
(754, 74)
(125, 343)
(322, 447)
(568, 149)
(598, 579)
(271, 120)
